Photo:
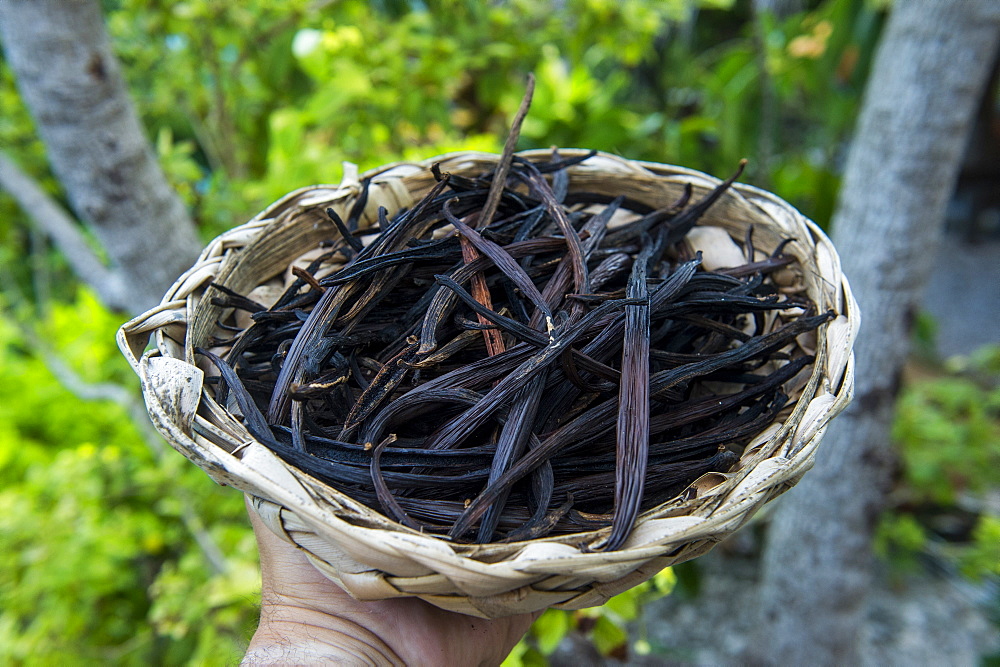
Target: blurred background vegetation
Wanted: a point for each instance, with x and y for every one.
(114, 549)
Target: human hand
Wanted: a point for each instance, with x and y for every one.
(305, 619)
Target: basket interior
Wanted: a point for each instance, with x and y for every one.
(296, 225)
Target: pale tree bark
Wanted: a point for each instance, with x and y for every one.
(929, 74)
(72, 84)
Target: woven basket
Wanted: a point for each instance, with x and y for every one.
(372, 557)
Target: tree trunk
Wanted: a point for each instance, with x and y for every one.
(73, 86)
(930, 71)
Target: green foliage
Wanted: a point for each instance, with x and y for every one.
(899, 539)
(947, 428)
(98, 561)
(247, 101)
(606, 627)
(274, 97)
(982, 557)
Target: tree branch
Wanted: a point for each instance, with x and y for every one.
(57, 224)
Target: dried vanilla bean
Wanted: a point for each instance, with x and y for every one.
(618, 370)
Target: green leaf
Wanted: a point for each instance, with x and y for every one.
(625, 605)
(607, 636)
(550, 628)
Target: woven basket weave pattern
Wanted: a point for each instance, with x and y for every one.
(374, 558)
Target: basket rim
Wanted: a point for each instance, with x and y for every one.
(174, 405)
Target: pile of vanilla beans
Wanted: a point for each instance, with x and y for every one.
(500, 363)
